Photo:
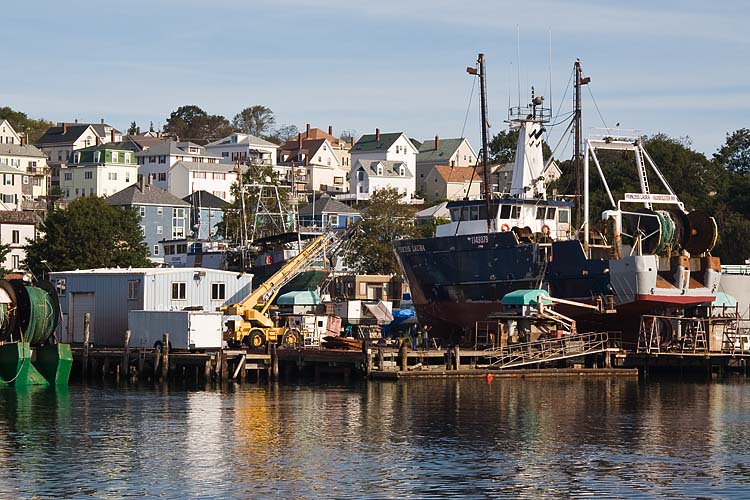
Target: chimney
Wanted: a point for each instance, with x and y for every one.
(377, 134)
(64, 128)
(142, 182)
(23, 140)
(299, 140)
(330, 129)
(138, 131)
(98, 140)
(307, 131)
(352, 139)
(102, 121)
(437, 142)
(76, 120)
(112, 135)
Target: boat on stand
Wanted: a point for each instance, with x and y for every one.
(653, 255)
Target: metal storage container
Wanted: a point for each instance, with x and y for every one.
(187, 329)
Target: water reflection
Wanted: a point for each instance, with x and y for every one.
(423, 439)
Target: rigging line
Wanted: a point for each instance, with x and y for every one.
(565, 132)
(461, 209)
(597, 107)
(468, 107)
(548, 130)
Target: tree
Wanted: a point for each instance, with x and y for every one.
(133, 129)
(256, 120)
(187, 123)
(283, 134)
(216, 127)
(503, 145)
(88, 234)
(384, 219)
(151, 127)
(734, 155)
(25, 125)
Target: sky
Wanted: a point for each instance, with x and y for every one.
(677, 67)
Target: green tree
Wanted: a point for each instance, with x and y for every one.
(255, 120)
(133, 129)
(191, 123)
(384, 219)
(22, 124)
(283, 134)
(503, 145)
(88, 234)
(734, 155)
(233, 223)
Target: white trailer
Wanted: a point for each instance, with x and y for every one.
(187, 329)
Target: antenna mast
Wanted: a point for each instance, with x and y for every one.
(483, 104)
(579, 81)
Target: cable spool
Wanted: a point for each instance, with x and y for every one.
(702, 234)
(28, 312)
(668, 231)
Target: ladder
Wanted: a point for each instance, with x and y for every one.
(642, 172)
(548, 350)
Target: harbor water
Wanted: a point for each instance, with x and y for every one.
(501, 438)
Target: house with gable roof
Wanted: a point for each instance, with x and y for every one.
(451, 152)
(186, 177)
(452, 183)
(381, 161)
(100, 170)
(8, 134)
(206, 212)
(339, 146)
(163, 215)
(329, 213)
(314, 163)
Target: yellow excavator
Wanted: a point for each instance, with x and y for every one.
(253, 326)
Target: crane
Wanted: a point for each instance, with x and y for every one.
(255, 327)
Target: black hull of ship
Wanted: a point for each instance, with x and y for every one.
(459, 280)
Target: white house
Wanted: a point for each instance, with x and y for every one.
(59, 142)
(28, 159)
(154, 162)
(245, 148)
(317, 161)
(8, 134)
(98, 171)
(340, 147)
(186, 177)
(13, 191)
(17, 229)
(392, 147)
(367, 176)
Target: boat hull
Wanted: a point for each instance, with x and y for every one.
(456, 281)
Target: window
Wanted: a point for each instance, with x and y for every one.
(127, 176)
(224, 154)
(168, 249)
(159, 210)
(156, 250)
(88, 175)
(162, 159)
(551, 213)
(127, 157)
(25, 179)
(333, 220)
(115, 156)
(68, 176)
(360, 175)
(179, 290)
(162, 177)
(142, 211)
(563, 216)
(515, 212)
(132, 289)
(16, 262)
(338, 181)
(540, 212)
(112, 176)
(16, 236)
(61, 286)
(219, 194)
(178, 223)
(151, 159)
(91, 191)
(218, 291)
(220, 176)
(159, 229)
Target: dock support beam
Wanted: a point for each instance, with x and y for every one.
(165, 356)
(125, 366)
(86, 332)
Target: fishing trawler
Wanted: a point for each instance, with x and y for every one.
(654, 255)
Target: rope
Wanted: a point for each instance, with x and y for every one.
(597, 107)
(20, 368)
(468, 107)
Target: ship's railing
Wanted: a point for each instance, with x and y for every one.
(614, 134)
(529, 112)
(550, 349)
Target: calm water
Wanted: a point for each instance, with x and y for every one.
(424, 439)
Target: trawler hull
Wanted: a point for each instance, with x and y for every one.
(456, 281)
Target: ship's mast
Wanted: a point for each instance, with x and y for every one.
(580, 80)
(485, 169)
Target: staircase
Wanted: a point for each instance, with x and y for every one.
(548, 350)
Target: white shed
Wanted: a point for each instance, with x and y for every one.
(109, 294)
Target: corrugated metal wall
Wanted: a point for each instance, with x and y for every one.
(111, 304)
